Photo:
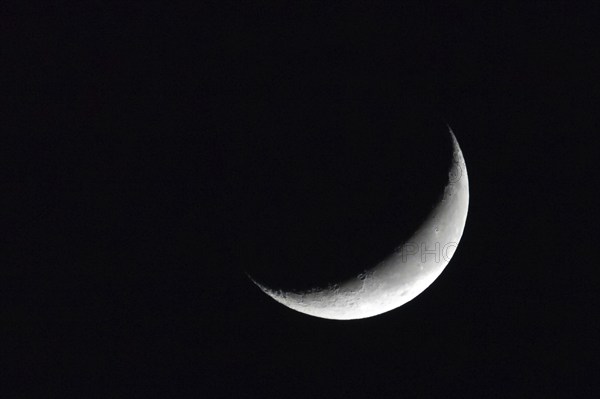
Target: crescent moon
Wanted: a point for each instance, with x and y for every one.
(404, 274)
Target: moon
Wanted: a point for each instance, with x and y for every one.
(405, 273)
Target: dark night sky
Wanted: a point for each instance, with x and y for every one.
(157, 152)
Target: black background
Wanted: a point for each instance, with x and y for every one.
(155, 153)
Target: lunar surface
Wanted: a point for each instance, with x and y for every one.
(405, 273)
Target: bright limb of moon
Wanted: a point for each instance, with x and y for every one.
(404, 274)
